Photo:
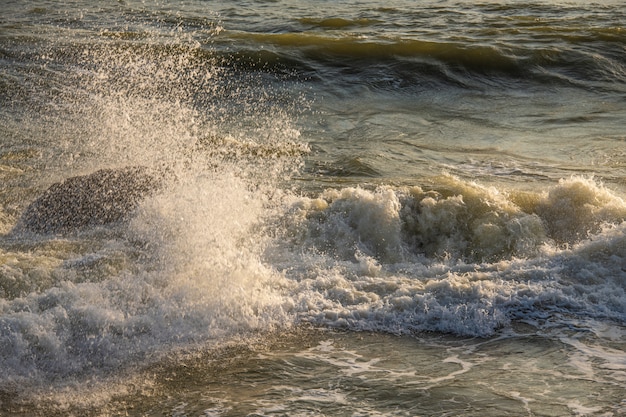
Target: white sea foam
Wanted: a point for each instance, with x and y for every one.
(459, 258)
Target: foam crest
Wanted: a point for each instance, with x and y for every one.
(463, 219)
(354, 220)
(454, 219)
(577, 208)
(457, 257)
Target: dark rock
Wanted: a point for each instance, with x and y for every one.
(103, 197)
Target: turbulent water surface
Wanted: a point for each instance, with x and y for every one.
(298, 208)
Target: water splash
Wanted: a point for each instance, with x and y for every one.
(185, 267)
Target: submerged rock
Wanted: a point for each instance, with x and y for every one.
(103, 197)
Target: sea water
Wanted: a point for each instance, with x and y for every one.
(366, 208)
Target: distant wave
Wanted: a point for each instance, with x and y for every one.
(322, 46)
(591, 59)
(338, 22)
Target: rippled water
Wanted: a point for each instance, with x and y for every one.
(343, 208)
